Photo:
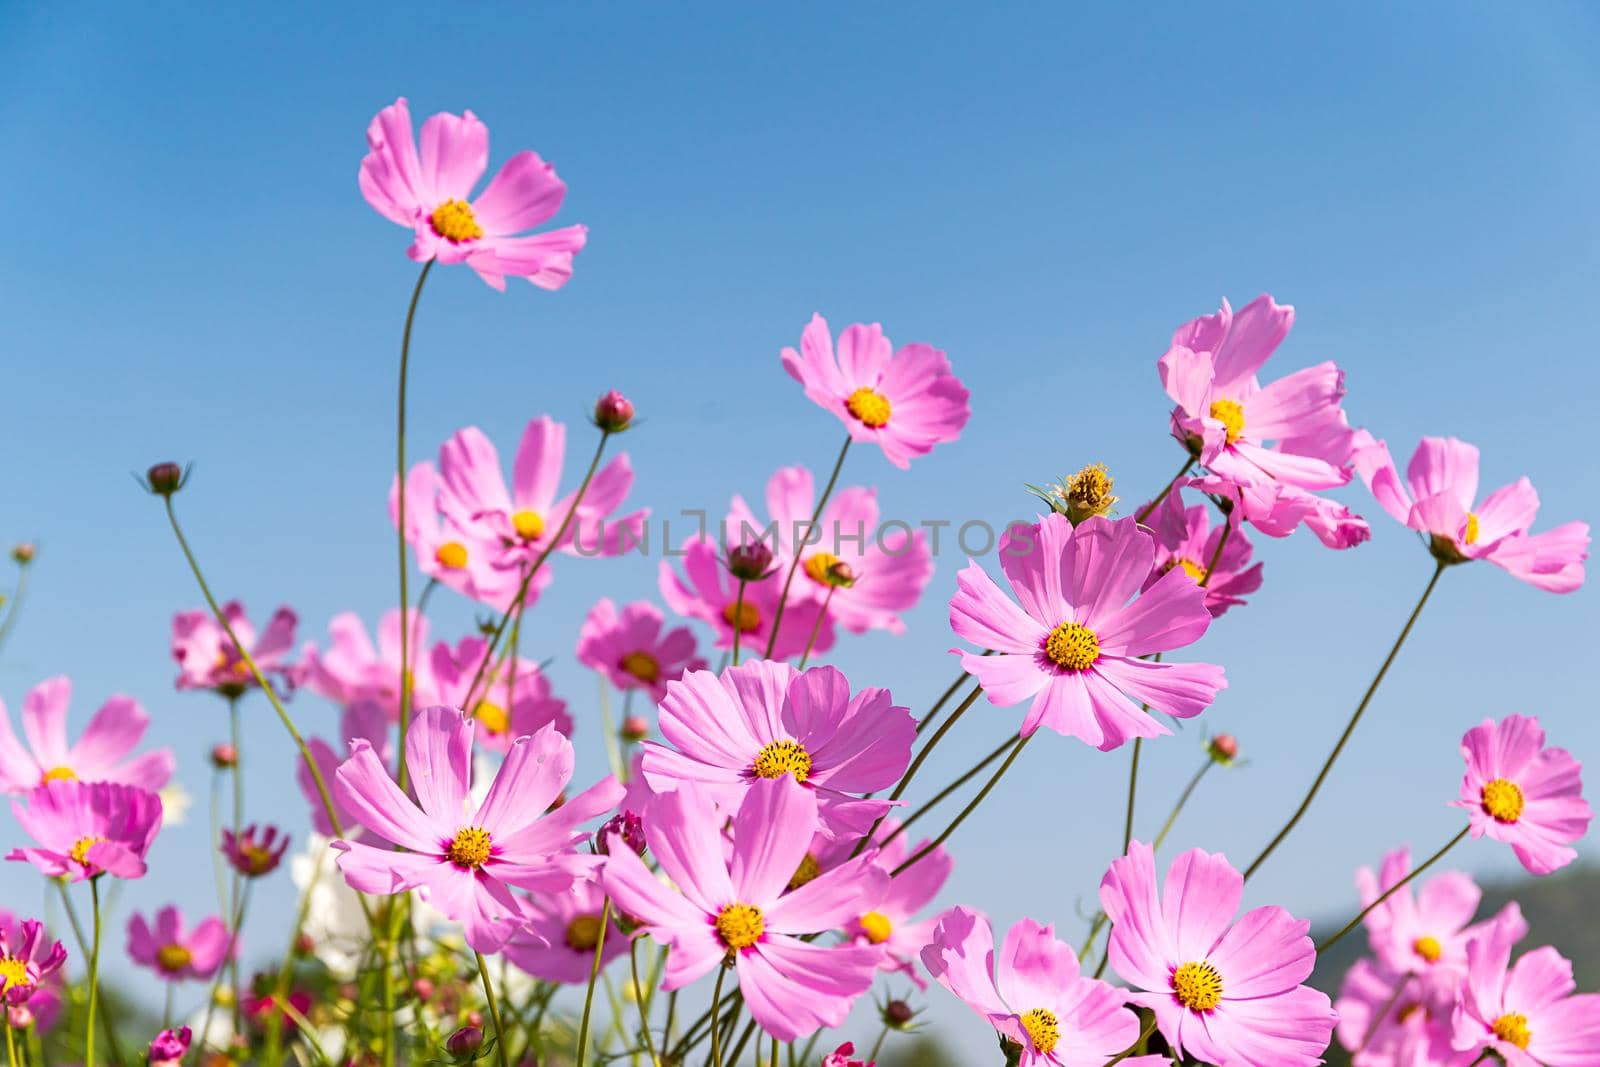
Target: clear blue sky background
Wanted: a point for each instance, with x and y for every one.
(1043, 191)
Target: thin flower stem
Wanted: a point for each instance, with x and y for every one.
(916, 764)
(951, 788)
(1392, 890)
(1133, 788)
(1183, 798)
(642, 1003)
(11, 1041)
(738, 620)
(966, 811)
(1144, 1035)
(1349, 729)
(944, 698)
(594, 973)
(15, 605)
(816, 628)
(744, 1039)
(94, 974)
(877, 1046)
(794, 564)
(235, 921)
(237, 771)
(1144, 512)
(83, 951)
(400, 518)
(274, 1030)
(774, 1052)
(716, 1006)
(1383, 1013)
(494, 1011)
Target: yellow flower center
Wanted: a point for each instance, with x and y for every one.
(470, 849)
(783, 757)
(1470, 535)
(81, 847)
(454, 221)
(58, 774)
(1411, 1011)
(493, 717)
(742, 617)
(452, 555)
(876, 926)
(13, 973)
(806, 873)
(1512, 1028)
(817, 565)
(1197, 986)
(1187, 566)
(528, 524)
(1231, 415)
(740, 926)
(173, 958)
(1044, 1029)
(870, 406)
(1502, 799)
(1428, 948)
(1072, 646)
(583, 933)
(643, 666)
(1088, 493)
(256, 859)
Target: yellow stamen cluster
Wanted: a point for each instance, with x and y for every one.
(1044, 1029)
(452, 555)
(494, 718)
(58, 774)
(13, 973)
(470, 848)
(583, 933)
(1502, 799)
(817, 566)
(1072, 646)
(1188, 566)
(257, 860)
(877, 927)
(1512, 1028)
(1231, 415)
(783, 757)
(870, 406)
(643, 666)
(454, 221)
(1197, 986)
(743, 617)
(806, 873)
(81, 847)
(528, 524)
(173, 958)
(1469, 536)
(1088, 493)
(740, 926)
(1428, 948)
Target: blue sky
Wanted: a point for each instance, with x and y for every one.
(1044, 191)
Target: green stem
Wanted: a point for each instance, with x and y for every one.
(238, 819)
(916, 764)
(400, 520)
(94, 974)
(16, 603)
(107, 1022)
(1183, 798)
(877, 1046)
(738, 620)
(1392, 890)
(716, 1006)
(11, 1043)
(235, 921)
(938, 705)
(816, 628)
(594, 973)
(794, 565)
(1144, 1035)
(966, 811)
(1349, 729)
(940, 796)
(494, 1011)
(1144, 512)
(1133, 788)
(643, 1004)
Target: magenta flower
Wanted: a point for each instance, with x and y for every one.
(737, 909)
(207, 659)
(888, 568)
(841, 1057)
(1076, 645)
(1033, 995)
(28, 959)
(352, 670)
(1186, 541)
(1526, 1012)
(365, 721)
(765, 720)
(254, 851)
(562, 931)
(431, 193)
(1439, 500)
(170, 1047)
(1387, 1019)
(98, 756)
(904, 401)
(173, 953)
(83, 830)
(533, 705)
(459, 556)
(466, 858)
(708, 592)
(1224, 992)
(629, 649)
(1523, 794)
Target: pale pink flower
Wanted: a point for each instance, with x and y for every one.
(1186, 541)
(351, 669)
(1076, 646)
(97, 756)
(1390, 1019)
(502, 711)
(1527, 1012)
(1521, 793)
(30, 964)
(173, 952)
(904, 401)
(365, 720)
(83, 830)
(431, 193)
(631, 651)
(459, 556)
(208, 659)
(708, 592)
(737, 909)
(1439, 500)
(561, 932)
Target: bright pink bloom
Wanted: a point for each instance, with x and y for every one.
(362, 721)
(840, 1057)
(466, 858)
(261, 1009)
(1033, 995)
(207, 659)
(533, 705)
(352, 669)
(85, 829)
(764, 719)
(904, 401)
(170, 1047)
(29, 959)
(98, 756)
(173, 953)
(1439, 499)
(709, 593)
(1519, 792)
(562, 930)
(431, 193)
(459, 556)
(1074, 646)
(737, 909)
(1186, 541)
(1224, 992)
(1526, 1012)
(254, 851)
(1414, 1028)
(889, 567)
(629, 649)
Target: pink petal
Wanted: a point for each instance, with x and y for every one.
(525, 193)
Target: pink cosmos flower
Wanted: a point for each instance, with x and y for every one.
(765, 720)
(1279, 442)
(708, 592)
(1526, 1012)
(629, 649)
(351, 669)
(889, 568)
(170, 1047)
(207, 659)
(1388, 1019)
(98, 756)
(533, 705)
(1186, 541)
(173, 953)
(431, 192)
(1224, 992)
(840, 1057)
(1075, 646)
(1439, 500)
(28, 960)
(904, 401)
(460, 557)
(254, 851)
(466, 858)
(562, 931)
(1033, 995)
(737, 910)
(364, 720)
(83, 830)
(1519, 792)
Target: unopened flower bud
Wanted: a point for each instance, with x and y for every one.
(625, 825)
(465, 1040)
(223, 756)
(304, 945)
(164, 479)
(1088, 493)
(635, 728)
(23, 553)
(750, 562)
(841, 575)
(898, 1014)
(1224, 748)
(613, 412)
